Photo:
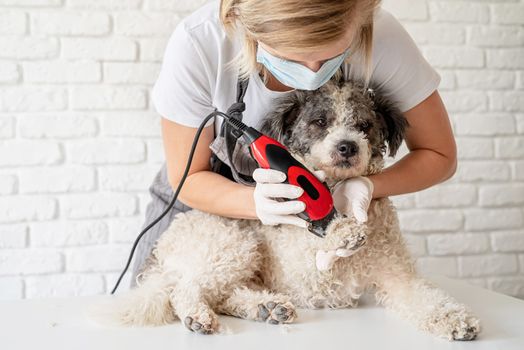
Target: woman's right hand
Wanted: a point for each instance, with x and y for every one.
(271, 211)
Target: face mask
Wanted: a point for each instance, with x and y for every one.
(297, 76)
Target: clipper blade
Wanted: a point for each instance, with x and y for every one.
(318, 227)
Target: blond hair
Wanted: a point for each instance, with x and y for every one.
(297, 26)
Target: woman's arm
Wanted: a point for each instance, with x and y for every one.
(203, 189)
(433, 152)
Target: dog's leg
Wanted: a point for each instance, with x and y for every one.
(259, 305)
(145, 305)
(390, 268)
(193, 309)
(428, 307)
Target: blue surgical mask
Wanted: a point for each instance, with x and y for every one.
(296, 75)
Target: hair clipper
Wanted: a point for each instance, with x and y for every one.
(271, 154)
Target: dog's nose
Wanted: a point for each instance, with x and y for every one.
(347, 148)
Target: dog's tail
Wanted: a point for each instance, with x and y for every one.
(145, 305)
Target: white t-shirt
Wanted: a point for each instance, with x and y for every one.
(194, 80)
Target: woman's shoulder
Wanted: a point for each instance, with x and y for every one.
(204, 30)
(387, 30)
(204, 15)
(399, 67)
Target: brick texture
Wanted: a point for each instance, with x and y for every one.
(80, 141)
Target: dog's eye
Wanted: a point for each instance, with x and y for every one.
(320, 122)
(365, 125)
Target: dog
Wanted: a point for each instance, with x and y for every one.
(205, 265)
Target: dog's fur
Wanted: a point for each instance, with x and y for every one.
(206, 264)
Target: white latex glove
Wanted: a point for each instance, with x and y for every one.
(352, 197)
(325, 259)
(274, 212)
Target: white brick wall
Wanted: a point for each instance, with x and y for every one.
(80, 141)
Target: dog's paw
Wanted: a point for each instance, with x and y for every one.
(276, 313)
(351, 244)
(467, 330)
(456, 324)
(203, 323)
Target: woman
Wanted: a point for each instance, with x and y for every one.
(258, 39)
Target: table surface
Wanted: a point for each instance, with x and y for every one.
(63, 324)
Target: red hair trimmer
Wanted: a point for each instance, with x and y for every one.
(271, 154)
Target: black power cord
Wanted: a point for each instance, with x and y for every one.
(188, 166)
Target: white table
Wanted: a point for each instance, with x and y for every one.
(61, 324)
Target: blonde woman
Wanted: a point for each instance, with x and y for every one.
(258, 39)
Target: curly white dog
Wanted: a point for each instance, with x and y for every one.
(206, 264)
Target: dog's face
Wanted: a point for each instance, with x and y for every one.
(340, 128)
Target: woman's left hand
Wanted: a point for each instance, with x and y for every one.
(352, 196)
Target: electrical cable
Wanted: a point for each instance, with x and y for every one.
(188, 166)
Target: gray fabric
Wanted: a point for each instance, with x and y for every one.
(161, 195)
(242, 159)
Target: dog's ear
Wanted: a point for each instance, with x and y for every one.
(395, 121)
(279, 122)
